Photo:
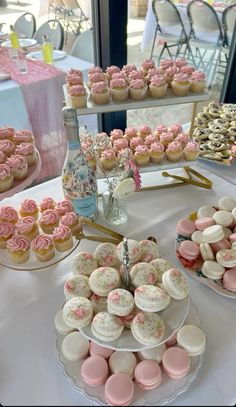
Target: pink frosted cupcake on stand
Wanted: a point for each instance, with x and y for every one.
(43, 247)
(94, 69)
(78, 96)
(166, 63)
(7, 147)
(23, 136)
(100, 93)
(49, 220)
(144, 131)
(7, 133)
(181, 84)
(18, 248)
(2, 157)
(19, 165)
(72, 220)
(187, 69)
(120, 144)
(119, 75)
(157, 153)
(166, 138)
(28, 151)
(169, 74)
(27, 227)
(159, 130)
(115, 134)
(108, 159)
(63, 207)
(183, 138)
(158, 87)
(191, 151)
(175, 129)
(7, 230)
(111, 70)
(8, 214)
(129, 133)
(135, 142)
(119, 90)
(180, 62)
(47, 203)
(150, 139)
(74, 79)
(6, 177)
(146, 65)
(141, 155)
(174, 152)
(29, 207)
(138, 74)
(138, 89)
(128, 68)
(198, 82)
(158, 71)
(95, 78)
(62, 238)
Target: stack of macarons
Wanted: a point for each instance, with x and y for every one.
(208, 242)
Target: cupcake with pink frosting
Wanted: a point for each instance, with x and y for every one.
(47, 203)
(115, 134)
(158, 71)
(100, 93)
(8, 214)
(174, 151)
(119, 89)
(119, 75)
(94, 69)
(166, 63)
(72, 220)
(128, 68)
(135, 142)
(187, 69)
(175, 128)
(181, 84)
(198, 82)
(182, 138)
(27, 227)
(141, 155)
(157, 153)
(129, 133)
(191, 151)
(29, 207)
(27, 150)
(2, 157)
(146, 65)
(160, 129)
(19, 165)
(120, 144)
(6, 177)
(78, 96)
(96, 77)
(49, 220)
(111, 70)
(62, 238)
(6, 133)
(166, 138)
(158, 86)
(73, 79)
(169, 74)
(7, 230)
(144, 131)
(150, 139)
(44, 248)
(23, 136)
(7, 147)
(108, 159)
(138, 89)
(137, 74)
(63, 207)
(18, 248)
(180, 62)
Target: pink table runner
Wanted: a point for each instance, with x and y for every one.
(43, 96)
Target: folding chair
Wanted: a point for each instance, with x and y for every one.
(54, 31)
(26, 25)
(83, 46)
(74, 17)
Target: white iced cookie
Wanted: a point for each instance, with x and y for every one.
(212, 270)
(149, 249)
(133, 248)
(227, 203)
(60, 325)
(78, 312)
(153, 353)
(175, 284)
(206, 251)
(143, 273)
(122, 362)
(223, 218)
(197, 237)
(75, 346)
(205, 211)
(120, 302)
(107, 327)
(161, 265)
(84, 263)
(106, 255)
(213, 234)
(150, 298)
(226, 258)
(192, 339)
(99, 303)
(103, 280)
(148, 328)
(77, 286)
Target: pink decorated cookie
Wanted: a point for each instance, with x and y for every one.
(150, 250)
(148, 328)
(134, 251)
(78, 312)
(106, 255)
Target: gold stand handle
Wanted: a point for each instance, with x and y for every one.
(97, 238)
(103, 229)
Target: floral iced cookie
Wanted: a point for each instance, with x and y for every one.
(77, 286)
(99, 303)
(120, 302)
(84, 263)
(175, 284)
(103, 280)
(149, 249)
(150, 298)
(226, 258)
(107, 327)
(127, 319)
(106, 255)
(161, 265)
(148, 328)
(133, 248)
(143, 273)
(78, 312)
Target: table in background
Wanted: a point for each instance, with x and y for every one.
(29, 371)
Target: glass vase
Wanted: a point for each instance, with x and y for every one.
(114, 210)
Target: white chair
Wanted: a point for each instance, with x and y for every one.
(74, 17)
(26, 25)
(228, 23)
(83, 46)
(54, 31)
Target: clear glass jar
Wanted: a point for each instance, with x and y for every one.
(114, 210)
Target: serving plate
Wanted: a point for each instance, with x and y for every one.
(57, 55)
(24, 42)
(167, 392)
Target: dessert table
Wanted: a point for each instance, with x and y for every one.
(30, 374)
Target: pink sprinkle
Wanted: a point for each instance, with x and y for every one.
(152, 278)
(80, 313)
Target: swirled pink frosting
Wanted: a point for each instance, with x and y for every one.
(141, 149)
(94, 69)
(112, 69)
(118, 75)
(192, 146)
(183, 138)
(8, 214)
(129, 68)
(18, 243)
(5, 171)
(42, 242)
(7, 146)
(23, 136)
(166, 63)
(69, 219)
(131, 132)
(47, 203)
(135, 141)
(108, 153)
(75, 72)
(198, 76)
(137, 84)
(61, 232)
(99, 87)
(181, 77)
(175, 128)
(74, 79)
(150, 139)
(160, 129)
(180, 62)
(63, 206)
(155, 72)
(25, 225)
(118, 83)
(25, 149)
(167, 136)
(156, 147)
(6, 132)
(145, 130)
(97, 77)
(7, 229)
(174, 146)
(148, 64)
(28, 206)
(187, 69)
(77, 90)
(2, 157)
(116, 133)
(138, 74)
(171, 71)
(158, 81)
(17, 161)
(120, 144)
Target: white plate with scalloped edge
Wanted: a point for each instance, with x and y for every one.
(57, 54)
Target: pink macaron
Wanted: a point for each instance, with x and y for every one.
(176, 362)
(172, 340)
(185, 227)
(222, 244)
(229, 279)
(119, 390)
(203, 223)
(189, 250)
(232, 237)
(95, 349)
(94, 371)
(148, 374)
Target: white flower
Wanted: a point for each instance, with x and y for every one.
(124, 188)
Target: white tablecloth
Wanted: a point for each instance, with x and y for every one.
(29, 371)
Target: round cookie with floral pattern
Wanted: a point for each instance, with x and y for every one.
(150, 298)
(133, 248)
(175, 284)
(161, 265)
(143, 273)
(107, 327)
(148, 328)
(84, 263)
(78, 312)
(120, 302)
(149, 249)
(103, 280)
(77, 286)
(106, 255)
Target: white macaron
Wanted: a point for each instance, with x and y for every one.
(122, 362)
(78, 312)
(77, 286)
(206, 251)
(223, 218)
(212, 270)
(60, 325)
(213, 234)
(107, 327)
(161, 265)
(120, 302)
(175, 284)
(148, 328)
(192, 339)
(75, 346)
(150, 298)
(227, 203)
(205, 211)
(197, 237)
(84, 263)
(226, 258)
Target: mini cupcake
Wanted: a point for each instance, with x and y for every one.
(182, 138)
(7, 230)
(135, 142)
(72, 220)
(119, 75)
(141, 155)
(100, 93)
(180, 62)
(146, 65)
(19, 249)
(188, 70)
(111, 70)
(150, 139)
(74, 71)
(94, 69)
(108, 159)
(62, 238)
(120, 144)
(44, 248)
(191, 151)
(95, 78)
(198, 82)
(169, 74)
(47, 203)
(78, 96)
(73, 80)
(180, 84)
(160, 129)
(27, 227)
(166, 138)
(19, 165)
(6, 133)
(174, 151)
(166, 63)
(128, 68)
(63, 207)
(115, 134)
(119, 90)
(28, 151)
(6, 177)
(158, 87)
(2, 157)
(157, 153)
(138, 74)
(144, 131)
(8, 214)
(23, 136)
(7, 147)
(138, 89)
(175, 129)
(129, 133)
(154, 72)
(29, 207)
